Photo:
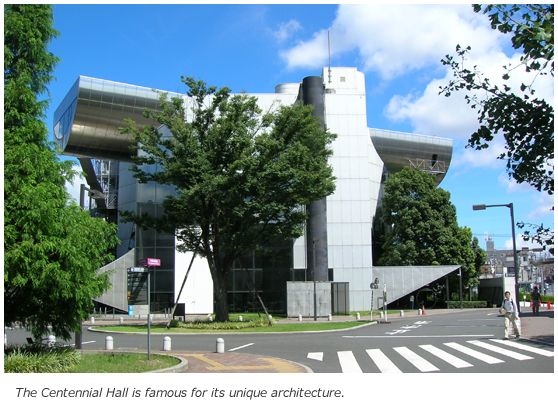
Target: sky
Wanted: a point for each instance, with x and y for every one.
(256, 47)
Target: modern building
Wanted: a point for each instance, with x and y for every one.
(340, 232)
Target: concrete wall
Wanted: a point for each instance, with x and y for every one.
(402, 280)
(300, 298)
(197, 294)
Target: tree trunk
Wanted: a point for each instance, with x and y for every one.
(221, 307)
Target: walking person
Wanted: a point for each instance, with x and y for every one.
(511, 315)
(412, 300)
(536, 298)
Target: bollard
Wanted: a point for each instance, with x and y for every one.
(166, 343)
(358, 316)
(121, 320)
(401, 314)
(108, 343)
(220, 346)
(92, 320)
(51, 340)
(329, 317)
(300, 318)
(240, 318)
(420, 312)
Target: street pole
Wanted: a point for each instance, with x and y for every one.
(148, 315)
(460, 289)
(515, 268)
(385, 303)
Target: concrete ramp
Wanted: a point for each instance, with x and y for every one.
(117, 296)
(402, 280)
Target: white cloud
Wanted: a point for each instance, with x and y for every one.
(542, 206)
(392, 40)
(287, 30)
(396, 40)
(308, 55)
(467, 159)
(511, 185)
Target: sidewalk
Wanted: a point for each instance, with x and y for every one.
(538, 328)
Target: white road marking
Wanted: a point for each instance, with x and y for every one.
(414, 336)
(348, 362)
(382, 361)
(448, 357)
(241, 347)
(475, 354)
(319, 356)
(420, 363)
(524, 347)
(499, 350)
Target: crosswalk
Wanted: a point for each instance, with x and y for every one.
(456, 355)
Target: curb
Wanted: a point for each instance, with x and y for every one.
(90, 329)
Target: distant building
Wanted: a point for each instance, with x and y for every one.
(341, 228)
(535, 268)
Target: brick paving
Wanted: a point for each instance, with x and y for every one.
(539, 327)
(212, 362)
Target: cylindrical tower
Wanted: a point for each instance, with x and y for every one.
(316, 227)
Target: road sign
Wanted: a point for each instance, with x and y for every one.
(137, 286)
(138, 270)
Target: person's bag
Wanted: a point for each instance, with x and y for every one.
(503, 311)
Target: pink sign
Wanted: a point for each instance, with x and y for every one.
(149, 262)
(153, 262)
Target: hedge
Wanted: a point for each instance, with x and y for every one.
(544, 298)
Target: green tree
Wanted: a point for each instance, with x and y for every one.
(422, 227)
(241, 176)
(52, 248)
(526, 122)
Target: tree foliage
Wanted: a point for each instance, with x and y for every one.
(241, 175)
(422, 227)
(52, 249)
(526, 122)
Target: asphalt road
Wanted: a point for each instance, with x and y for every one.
(468, 341)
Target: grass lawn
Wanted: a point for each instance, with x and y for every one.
(122, 363)
(283, 327)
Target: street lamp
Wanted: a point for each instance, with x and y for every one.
(510, 206)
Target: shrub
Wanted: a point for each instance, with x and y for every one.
(174, 323)
(544, 298)
(40, 359)
(231, 325)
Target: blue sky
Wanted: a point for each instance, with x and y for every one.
(256, 47)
